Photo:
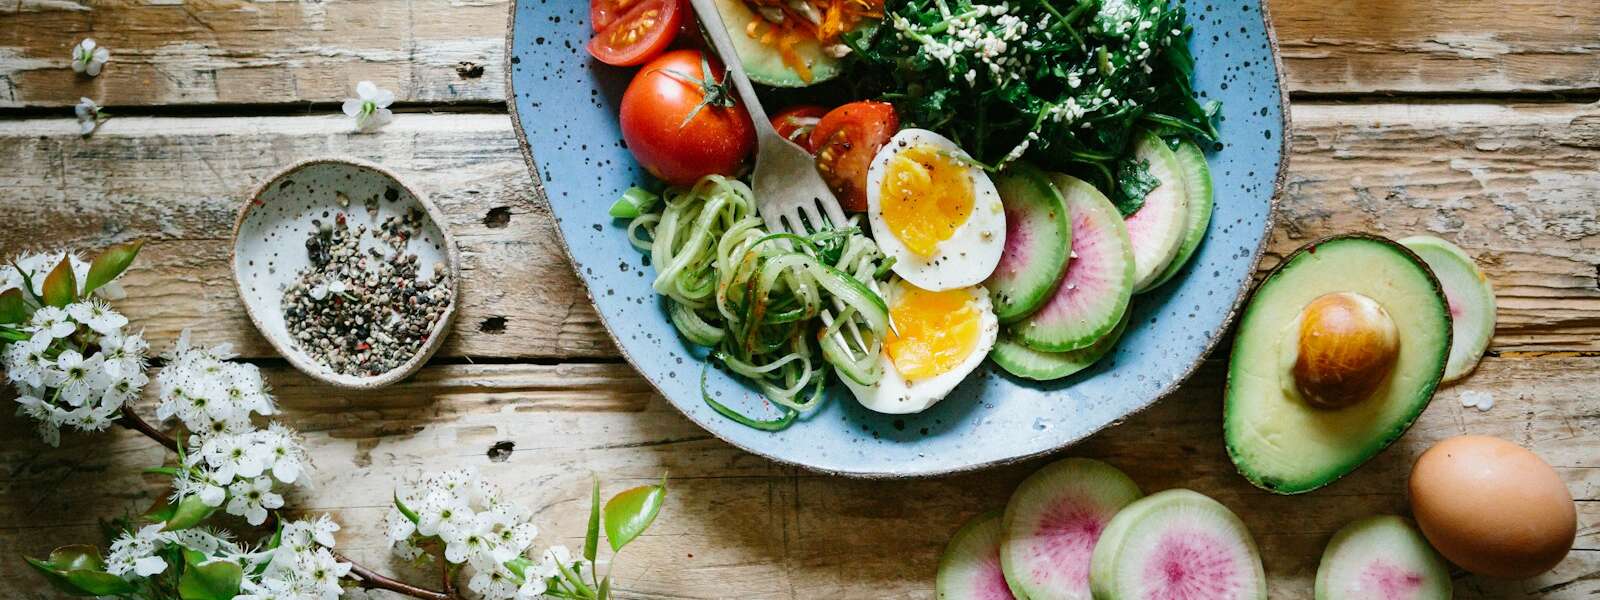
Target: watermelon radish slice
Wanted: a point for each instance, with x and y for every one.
(1197, 181)
(1176, 544)
(1052, 523)
(1028, 363)
(1099, 282)
(970, 567)
(1157, 228)
(1038, 243)
(1470, 297)
(1382, 558)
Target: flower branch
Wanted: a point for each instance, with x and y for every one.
(73, 366)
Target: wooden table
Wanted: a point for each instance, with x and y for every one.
(1469, 120)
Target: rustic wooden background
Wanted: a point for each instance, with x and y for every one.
(1468, 119)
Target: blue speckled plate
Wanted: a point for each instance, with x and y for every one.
(565, 104)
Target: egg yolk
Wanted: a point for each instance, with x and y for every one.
(926, 195)
(933, 331)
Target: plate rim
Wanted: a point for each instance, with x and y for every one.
(1285, 118)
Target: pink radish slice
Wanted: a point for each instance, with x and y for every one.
(1157, 229)
(1176, 545)
(1098, 283)
(1382, 558)
(1052, 523)
(970, 567)
(1038, 243)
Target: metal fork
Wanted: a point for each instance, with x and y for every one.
(787, 185)
(790, 195)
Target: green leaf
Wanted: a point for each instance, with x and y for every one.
(519, 566)
(110, 264)
(591, 540)
(631, 512)
(605, 588)
(77, 556)
(73, 575)
(61, 285)
(405, 510)
(99, 583)
(634, 202)
(214, 580)
(1134, 182)
(13, 308)
(189, 512)
(160, 511)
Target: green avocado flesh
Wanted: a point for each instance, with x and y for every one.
(1281, 443)
(1382, 557)
(762, 62)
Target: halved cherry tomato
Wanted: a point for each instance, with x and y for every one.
(603, 12)
(845, 141)
(796, 122)
(682, 123)
(638, 36)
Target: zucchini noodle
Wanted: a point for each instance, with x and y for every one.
(769, 305)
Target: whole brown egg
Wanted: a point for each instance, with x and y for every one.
(1492, 507)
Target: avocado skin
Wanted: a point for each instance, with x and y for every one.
(1332, 472)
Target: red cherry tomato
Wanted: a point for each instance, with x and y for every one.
(639, 35)
(796, 122)
(845, 141)
(716, 140)
(603, 12)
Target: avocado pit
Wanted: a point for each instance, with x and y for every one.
(1347, 345)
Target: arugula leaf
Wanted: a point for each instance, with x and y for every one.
(1075, 81)
(1134, 182)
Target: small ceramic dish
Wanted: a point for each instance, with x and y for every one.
(269, 249)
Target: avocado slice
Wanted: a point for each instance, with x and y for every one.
(1275, 436)
(762, 63)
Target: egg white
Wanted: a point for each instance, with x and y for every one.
(970, 255)
(895, 395)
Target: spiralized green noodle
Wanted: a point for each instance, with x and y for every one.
(758, 298)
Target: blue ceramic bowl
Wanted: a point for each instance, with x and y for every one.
(564, 105)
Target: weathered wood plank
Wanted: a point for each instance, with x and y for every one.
(247, 52)
(1512, 184)
(1439, 46)
(237, 51)
(737, 526)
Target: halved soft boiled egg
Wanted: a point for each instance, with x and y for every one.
(936, 339)
(934, 211)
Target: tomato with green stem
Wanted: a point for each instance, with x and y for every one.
(681, 121)
(845, 140)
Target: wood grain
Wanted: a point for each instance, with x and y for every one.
(738, 526)
(1439, 46)
(1514, 185)
(243, 52)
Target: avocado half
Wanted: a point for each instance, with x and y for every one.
(762, 63)
(1280, 442)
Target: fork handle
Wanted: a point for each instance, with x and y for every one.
(712, 20)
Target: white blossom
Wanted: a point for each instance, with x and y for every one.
(134, 552)
(98, 316)
(78, 368)
(477, 526)
(89, 116)
(370, 108)
(88, 57)
(50, 323)
(252, 498)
